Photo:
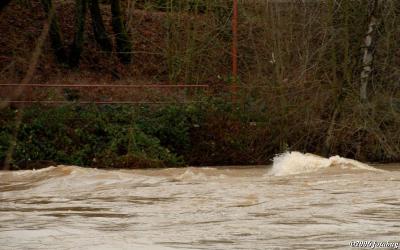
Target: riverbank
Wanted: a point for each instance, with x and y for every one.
(298, 86)
(112, 136)
(208, 133)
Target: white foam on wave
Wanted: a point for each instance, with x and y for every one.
(291, 163)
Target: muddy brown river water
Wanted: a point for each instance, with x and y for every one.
(301, 202)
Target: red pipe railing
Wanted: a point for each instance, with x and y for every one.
(105, 85)
(101, 102)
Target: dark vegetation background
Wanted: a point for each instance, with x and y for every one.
(299, 84)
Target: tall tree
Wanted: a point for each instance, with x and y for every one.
(369, 47)
(55, 32)
(124, 46)
(99, 30)
(333, 8)
(77, 44)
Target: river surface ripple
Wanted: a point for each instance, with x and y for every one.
(68, 207)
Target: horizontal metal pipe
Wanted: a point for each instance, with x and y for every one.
(97, 102)
(105, 86)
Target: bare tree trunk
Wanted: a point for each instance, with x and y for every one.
(369, 46)
(55, 32)
(327, 147)
(3, 4)
(124, 46)
(26, 80)
(80, 20)
(99, 30)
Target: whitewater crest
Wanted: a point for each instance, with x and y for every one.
(291, 163)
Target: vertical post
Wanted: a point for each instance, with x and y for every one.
(234, 49)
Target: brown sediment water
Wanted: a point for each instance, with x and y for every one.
(301, 202)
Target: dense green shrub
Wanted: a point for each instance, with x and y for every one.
(212, 132)
(6, 128)
(87, 136)
(170, 125)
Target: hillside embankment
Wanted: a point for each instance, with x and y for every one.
(299, 84)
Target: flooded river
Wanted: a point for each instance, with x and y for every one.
(301, 202)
